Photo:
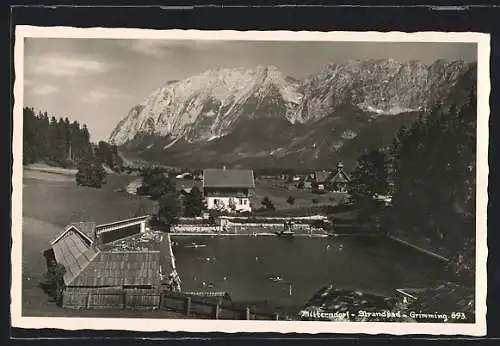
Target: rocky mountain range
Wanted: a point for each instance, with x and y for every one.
(260, 117)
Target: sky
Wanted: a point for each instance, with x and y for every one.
(97, 81)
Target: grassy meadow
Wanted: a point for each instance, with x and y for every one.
(279, 191)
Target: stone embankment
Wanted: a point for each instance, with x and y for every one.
(246, 229)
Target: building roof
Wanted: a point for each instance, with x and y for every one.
(126, 222)
(242, 178)
(118, 268)
(83, 229)
(340, 177)
(87, 265)
(322, 176)
(332, 177)
(74, 252)
(87, 228)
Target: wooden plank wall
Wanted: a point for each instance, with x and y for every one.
(89, 298)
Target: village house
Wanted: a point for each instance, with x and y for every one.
(97, 278)
(228, 189)
(332, 181)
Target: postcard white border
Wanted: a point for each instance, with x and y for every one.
(305, 327)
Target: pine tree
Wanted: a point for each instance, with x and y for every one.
(168, 212)
(435, 177)
(193, 203)
(56, 142)
(369, 179)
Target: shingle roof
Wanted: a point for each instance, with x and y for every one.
(117, 268)
(73, 252)
(242, 178)
(86, 228)
(322, 176)
(86, 265)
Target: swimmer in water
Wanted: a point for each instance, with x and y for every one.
(328, 247)
(225, 278)
(256, 258)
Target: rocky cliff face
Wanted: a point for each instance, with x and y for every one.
(306, 120)
(207, 106)
(380, 86)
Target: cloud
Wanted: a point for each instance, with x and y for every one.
(101, 94)
(64, 66)
(160, 48)
(42, 89)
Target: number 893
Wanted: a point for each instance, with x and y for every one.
(458, 316)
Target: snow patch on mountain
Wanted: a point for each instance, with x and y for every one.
(205, 107)
(171, 144)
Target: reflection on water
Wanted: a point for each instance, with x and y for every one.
(289, 272)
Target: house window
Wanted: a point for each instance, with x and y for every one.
(244, 202)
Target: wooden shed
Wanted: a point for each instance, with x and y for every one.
(94, 278)
(116, 279)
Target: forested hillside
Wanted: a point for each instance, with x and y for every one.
(56, 142)
(59, 142)
(434, 174)
(430, 171)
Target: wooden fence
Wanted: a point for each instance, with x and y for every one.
(190, 306)
(212, 309)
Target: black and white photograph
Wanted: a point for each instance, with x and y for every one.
(233, 181)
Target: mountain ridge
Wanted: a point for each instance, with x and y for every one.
(200, 111)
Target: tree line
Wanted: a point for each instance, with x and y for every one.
(57, 142)
(61, 143)
(429, 170)
(159, 185)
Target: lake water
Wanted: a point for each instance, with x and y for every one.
(243, 265)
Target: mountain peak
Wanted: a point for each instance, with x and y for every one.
(210, 104)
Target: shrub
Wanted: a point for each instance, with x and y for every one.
(54, 282)
(290, 200)
(268, 204)
(90, 173)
